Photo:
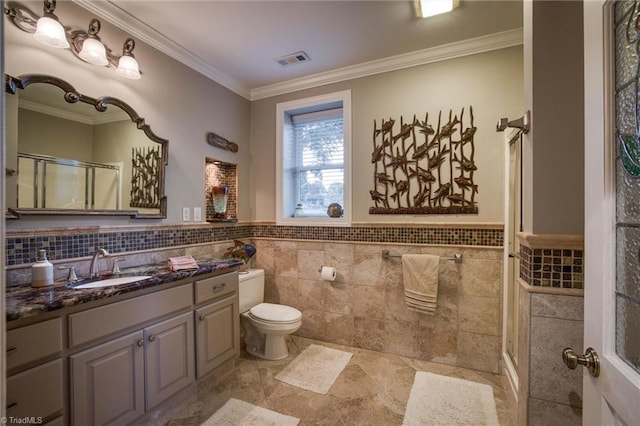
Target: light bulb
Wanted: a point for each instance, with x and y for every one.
(51, 32)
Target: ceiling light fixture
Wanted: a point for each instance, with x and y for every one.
(427, 8)
(86, 45)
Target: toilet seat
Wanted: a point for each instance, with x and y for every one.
(271, 313)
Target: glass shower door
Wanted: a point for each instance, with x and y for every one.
(513, 247)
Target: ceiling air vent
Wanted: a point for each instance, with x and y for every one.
(293, 58)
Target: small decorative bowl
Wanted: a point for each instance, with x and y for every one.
(335, 210)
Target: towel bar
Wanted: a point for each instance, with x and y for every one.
(457, 258)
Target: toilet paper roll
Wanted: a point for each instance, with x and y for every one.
(328, 273)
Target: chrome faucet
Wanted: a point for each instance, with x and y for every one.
(94, 270)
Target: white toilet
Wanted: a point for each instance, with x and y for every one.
(265, 324)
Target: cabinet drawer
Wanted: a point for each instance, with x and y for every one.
(105, 320)
(36, 392)
(33, 342)
(214, 287)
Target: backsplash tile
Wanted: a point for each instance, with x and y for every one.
(23, 246)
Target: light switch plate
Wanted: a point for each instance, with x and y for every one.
(197, 214)
(186, 217)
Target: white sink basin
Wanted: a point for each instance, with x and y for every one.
(107, 282)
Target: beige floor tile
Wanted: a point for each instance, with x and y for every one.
(373, 389)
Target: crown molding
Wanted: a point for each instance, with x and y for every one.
(445, 52)
(118, 17)
(101, 118)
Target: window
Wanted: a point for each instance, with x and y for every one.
(314, 159)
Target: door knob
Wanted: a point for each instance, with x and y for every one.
(589, 359)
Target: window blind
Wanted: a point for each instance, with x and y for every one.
(319, 168)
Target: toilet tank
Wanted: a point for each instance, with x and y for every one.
(251, 288)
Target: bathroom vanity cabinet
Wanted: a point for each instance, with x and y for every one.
(218, 322)
(111, 362)
(35, 371)
(116, 381)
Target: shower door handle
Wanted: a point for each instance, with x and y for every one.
(516, 255)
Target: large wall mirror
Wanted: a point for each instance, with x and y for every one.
(71, 154)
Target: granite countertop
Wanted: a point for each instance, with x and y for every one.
(26, 301)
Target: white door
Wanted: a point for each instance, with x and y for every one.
(612, 201)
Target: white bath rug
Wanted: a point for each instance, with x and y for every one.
(315, 369)
(440, 400)
(239, 413)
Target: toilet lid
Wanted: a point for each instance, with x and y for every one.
(275, 313)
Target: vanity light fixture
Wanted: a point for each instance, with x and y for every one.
(86, 45)
(427, 8)
(93, 51)
(49, 30)
(127, 64)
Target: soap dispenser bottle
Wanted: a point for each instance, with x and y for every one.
(42, 271)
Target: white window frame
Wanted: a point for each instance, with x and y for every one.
(284, 111)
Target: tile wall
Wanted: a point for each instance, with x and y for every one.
(551, 319)
(364, 306)
(69, 243)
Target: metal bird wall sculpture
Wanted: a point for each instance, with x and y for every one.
(144, 177)
(422, 169)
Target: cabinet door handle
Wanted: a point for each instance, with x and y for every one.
(218, 287)
(140, 342)
(202, 318)
(12, 405)
(152, 337)
(11, 350)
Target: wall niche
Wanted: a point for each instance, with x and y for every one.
(221, 191)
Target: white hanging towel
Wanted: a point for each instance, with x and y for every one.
(420, 276)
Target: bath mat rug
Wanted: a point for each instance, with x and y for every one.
(240, 413)
(441, 400)
(315, 369)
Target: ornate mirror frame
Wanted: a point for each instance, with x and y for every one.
(71, 95)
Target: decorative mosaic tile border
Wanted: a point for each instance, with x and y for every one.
(552, 267)
(386, 234)
(22, 250)
(22, 247)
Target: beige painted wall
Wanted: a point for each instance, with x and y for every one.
(48, 135)
(113, 143)
(178, 103)
(489, 82)
(553, 167)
